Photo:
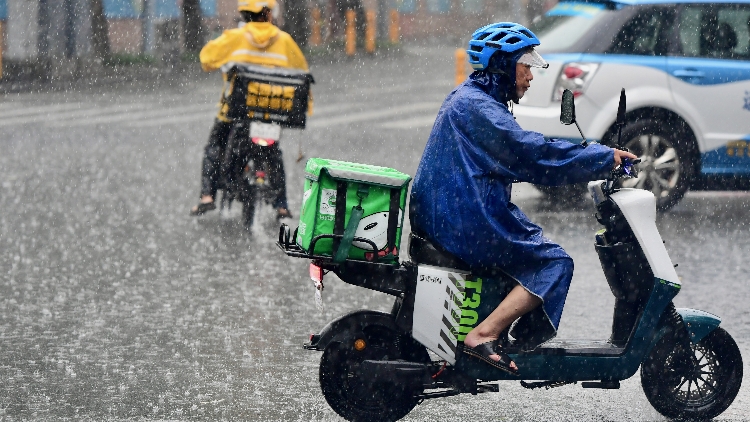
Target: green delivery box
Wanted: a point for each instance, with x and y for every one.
(352, 211)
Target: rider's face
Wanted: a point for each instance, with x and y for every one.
(523, 79)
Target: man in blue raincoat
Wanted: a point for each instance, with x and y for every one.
(460, 198)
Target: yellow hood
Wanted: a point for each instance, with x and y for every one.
(261, 34)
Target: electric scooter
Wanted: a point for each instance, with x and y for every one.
(376, 365)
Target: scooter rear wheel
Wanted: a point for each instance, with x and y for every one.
(695, 389)
(350, 392)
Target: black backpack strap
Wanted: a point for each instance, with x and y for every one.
(393, 211)
(355, 216)
(237, 95)
(340, 213)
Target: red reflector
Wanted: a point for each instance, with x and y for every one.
(572, 72)
(311, 336)
(316, 273)
(264, 142)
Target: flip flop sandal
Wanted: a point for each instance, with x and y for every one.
(203, 208)
(483, 352)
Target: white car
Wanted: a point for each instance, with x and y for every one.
(685, 66)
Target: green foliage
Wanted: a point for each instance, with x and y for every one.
(337, 47)
(129, 59)
(190, 57)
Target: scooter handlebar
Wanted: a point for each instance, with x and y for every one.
(626, 170)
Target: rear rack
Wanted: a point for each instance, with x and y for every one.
(288, 243)
(392, 279)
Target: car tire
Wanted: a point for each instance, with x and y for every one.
(669, 159)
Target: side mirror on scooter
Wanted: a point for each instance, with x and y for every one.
(568, 113)
(567, 108)
(620, 117)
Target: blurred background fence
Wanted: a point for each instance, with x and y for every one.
(58, 38)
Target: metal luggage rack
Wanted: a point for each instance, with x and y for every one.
(288, 243)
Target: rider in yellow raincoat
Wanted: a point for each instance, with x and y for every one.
(258, 42)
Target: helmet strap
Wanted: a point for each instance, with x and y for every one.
(513, 94)
(496, 71)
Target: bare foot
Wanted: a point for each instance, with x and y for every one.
(473, 340)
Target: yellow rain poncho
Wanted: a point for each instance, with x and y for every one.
(259, 43)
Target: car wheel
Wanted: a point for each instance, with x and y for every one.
(668, 160)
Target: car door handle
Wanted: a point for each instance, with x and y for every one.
(688, 73)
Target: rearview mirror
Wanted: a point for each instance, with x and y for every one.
(568, 113)
(621, 108)
(568, 108)
(620, 118)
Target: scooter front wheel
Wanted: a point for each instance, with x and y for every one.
(697, 387)
(351, 393)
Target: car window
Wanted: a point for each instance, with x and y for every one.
(645, 34)
(566, 23)
(715, 31)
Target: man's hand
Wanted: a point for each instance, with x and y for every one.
(620, 154)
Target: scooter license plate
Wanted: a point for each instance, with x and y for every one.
(265, 131)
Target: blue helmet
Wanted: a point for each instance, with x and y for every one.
(507, 37)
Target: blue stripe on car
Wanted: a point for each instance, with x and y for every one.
(640, 2)
(574, 8)
(718, 161)
(715, 162)
(714, 71)
(637, 2)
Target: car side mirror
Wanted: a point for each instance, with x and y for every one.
(568, 108)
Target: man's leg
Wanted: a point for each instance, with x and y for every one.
(239, 150)
(518, 302)
(217, 142)
(210, 172)
(277, 178)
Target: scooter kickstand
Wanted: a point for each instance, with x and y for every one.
(603, 384)
(546, 384)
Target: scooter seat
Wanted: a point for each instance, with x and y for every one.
(422, 251)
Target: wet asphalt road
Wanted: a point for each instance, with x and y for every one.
(115, 304)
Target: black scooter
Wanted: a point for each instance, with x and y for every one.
(376, 366)
(251, 167)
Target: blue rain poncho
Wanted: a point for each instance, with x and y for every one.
(460, 198)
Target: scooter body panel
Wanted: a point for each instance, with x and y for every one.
(639, 208)
(437, 309)
(448, 304)
(347, 327)
(698, 323)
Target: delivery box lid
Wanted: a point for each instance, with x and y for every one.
(343, 170)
